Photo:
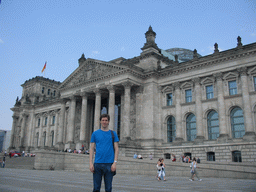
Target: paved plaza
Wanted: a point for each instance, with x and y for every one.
(34, 180)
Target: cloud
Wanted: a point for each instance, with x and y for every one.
(1, 41)
(94, 53)
(253, 34)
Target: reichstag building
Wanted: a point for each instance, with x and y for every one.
(162, 102)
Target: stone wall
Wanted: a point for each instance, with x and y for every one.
(127, 165)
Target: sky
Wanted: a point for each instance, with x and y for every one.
(60, 31)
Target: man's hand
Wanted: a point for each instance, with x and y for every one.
(113, 167)
(92, 168)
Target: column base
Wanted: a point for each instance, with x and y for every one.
(249, 136)
(199, 140)
(79, 145)
(70, 145)
(178, 141)
(223, 138)
(60, 146)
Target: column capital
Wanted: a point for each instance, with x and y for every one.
(24, 115)
(15, 117)
(177, 85)
(196, 80)
(97, 91)
(111, 88)
(73, 97)
(63, 101)
(242, 71)
(218, 76)
(127, 84)
(84, 94)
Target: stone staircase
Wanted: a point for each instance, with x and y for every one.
(19, 162)
(127, 165)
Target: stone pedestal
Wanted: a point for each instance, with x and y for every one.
(70, 145)
(60, 146)
(249, 136)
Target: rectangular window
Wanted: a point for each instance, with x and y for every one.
(53, 120)
(254, 81)
(232, 87)
(45, 122)
(188, 94)
(169, 99)
(209, 92)
(38, 123)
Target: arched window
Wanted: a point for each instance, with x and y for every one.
(171, 129)
(44, 137)
(213, 125)
(237, 122)
(210, 156)
(37, 139)
(42, 90)
(52, 137)
(236, 156)
(191, 127)
(49, 91)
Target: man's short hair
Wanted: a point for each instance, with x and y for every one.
(105, 115)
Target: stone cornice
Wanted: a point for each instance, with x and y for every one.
(210, 60)
(123, 70)
(41, 79)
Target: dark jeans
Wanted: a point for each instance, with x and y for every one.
(102, 169)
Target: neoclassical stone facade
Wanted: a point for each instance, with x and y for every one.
(201, 107)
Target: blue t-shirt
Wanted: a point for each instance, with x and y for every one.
(104, 146)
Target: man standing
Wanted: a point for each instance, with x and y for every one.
(106, 155)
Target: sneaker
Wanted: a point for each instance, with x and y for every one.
(190, 180)
(200, 180)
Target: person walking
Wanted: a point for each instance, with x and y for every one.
(194, 170)
(160, 169)
(3, 163)
(106, 143)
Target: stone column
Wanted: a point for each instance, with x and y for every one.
(127, 107)
(97, 109)
(22, 138)
(48, 134)
(249, 129)
(199, 116)
(31, 131)
(60, 144)
(40, 144)
(178, 119)
(14, 124)
(83, 121)
(71, 123)
(56, 126)
(111, 105)
(221, 108)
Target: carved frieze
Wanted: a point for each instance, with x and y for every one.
(90, 71)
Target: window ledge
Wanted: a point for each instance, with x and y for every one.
(190, 103)
(232, 96)
(209, 100)
(252, 93)
(168, 107)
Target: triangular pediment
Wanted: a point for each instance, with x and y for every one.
(167, 89)
(230, 75)
(252, 71)
(207, 80)
(186, 85)
(91, 71)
